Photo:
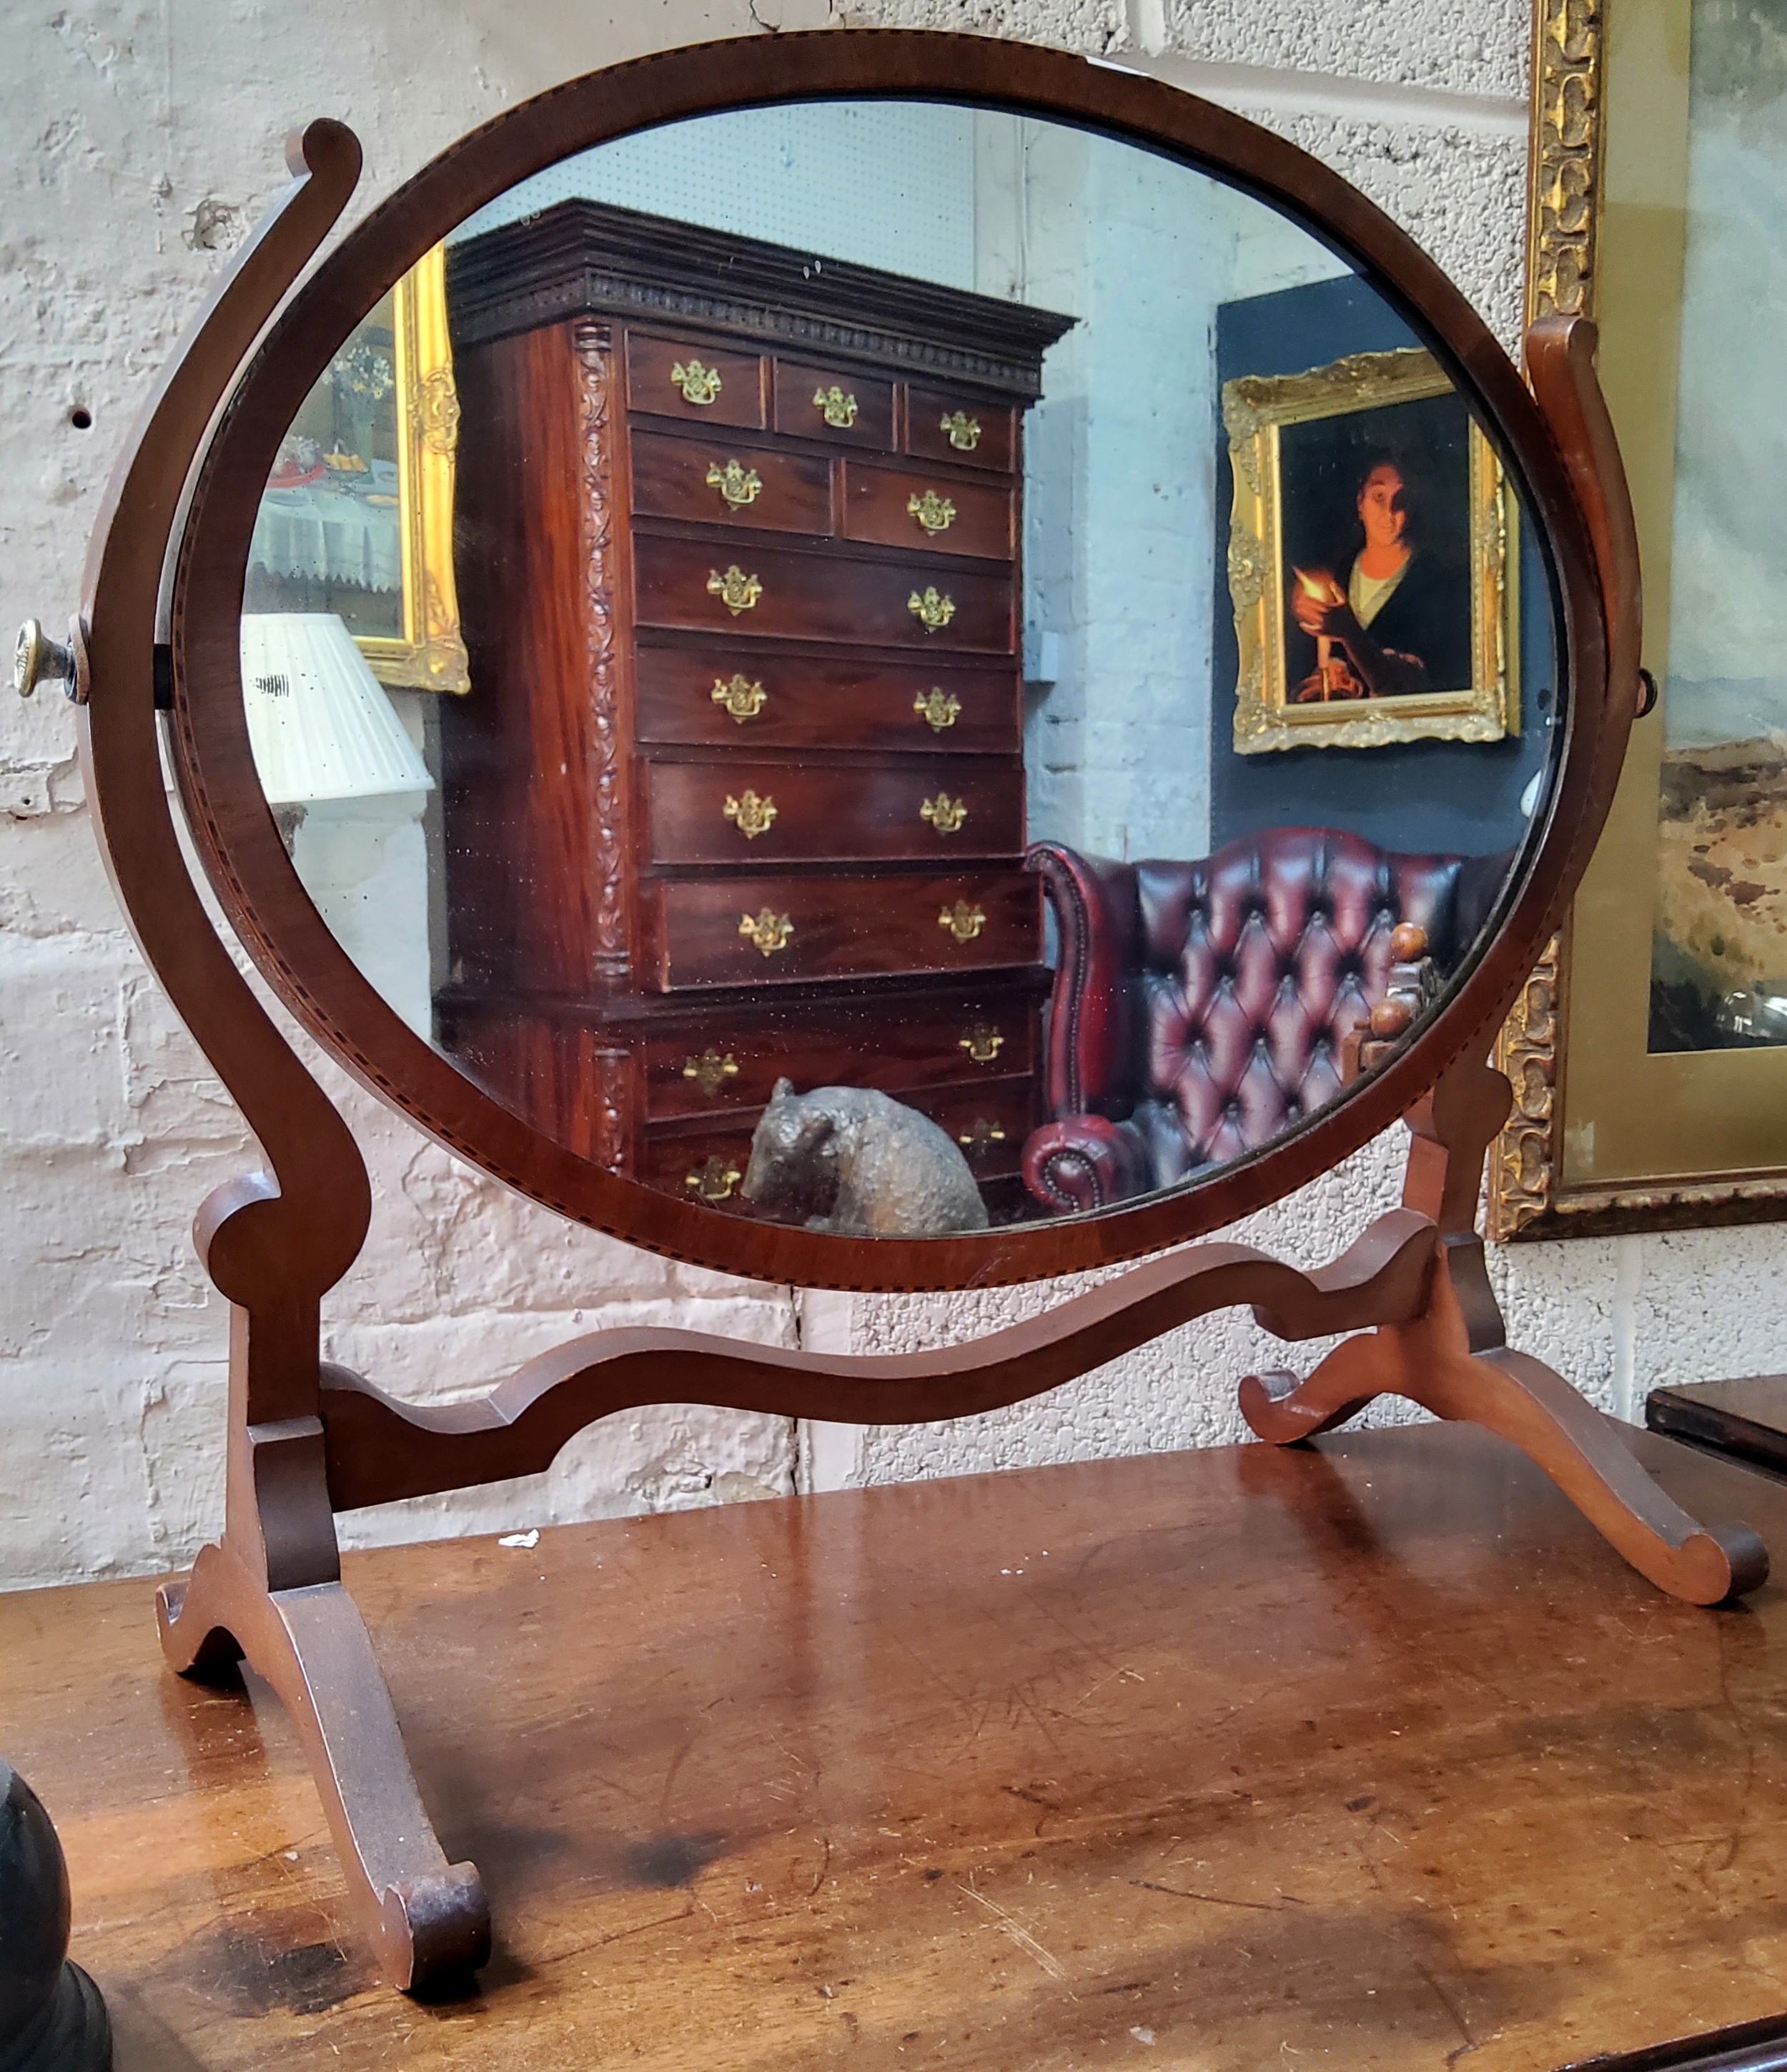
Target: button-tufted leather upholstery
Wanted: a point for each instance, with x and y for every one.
(1199, 1008)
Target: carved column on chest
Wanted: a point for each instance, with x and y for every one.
(595, 395)
(613, 1120)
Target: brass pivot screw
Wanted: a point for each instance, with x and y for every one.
(37, 659)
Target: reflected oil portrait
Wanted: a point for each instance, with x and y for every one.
(1370, 560)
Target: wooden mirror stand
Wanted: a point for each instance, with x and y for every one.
(306, 1439)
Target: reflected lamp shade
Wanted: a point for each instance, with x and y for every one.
(319, 723)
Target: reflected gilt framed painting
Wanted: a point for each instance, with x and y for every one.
(357, 519)
(1369, 559)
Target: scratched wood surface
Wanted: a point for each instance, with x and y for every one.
(1370, 1755)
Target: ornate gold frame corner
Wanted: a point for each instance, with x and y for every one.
(1528, 1050)
(1255, 409)
(431, 654)
(1565, 157)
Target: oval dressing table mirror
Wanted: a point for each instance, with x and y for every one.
(877, 660)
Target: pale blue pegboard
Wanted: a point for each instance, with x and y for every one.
(886, 183)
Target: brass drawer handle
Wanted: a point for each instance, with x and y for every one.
(944, 813)
(964, 431)
(710, 1071)
(980, 1135)
(737, 485)
(962, 921)
(742, 698)
(713, 1179)
(939, 709)
(701, 386)
(838, 410)
(769, 929)
(928, 606)
(935, 514)
(735, 590)
(982, 1044)
(749, 814)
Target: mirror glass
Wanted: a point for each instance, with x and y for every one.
(897, 668)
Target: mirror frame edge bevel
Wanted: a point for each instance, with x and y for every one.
(247, 866)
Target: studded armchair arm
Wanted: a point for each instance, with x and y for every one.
(1085, 1162)
(1091, 1059)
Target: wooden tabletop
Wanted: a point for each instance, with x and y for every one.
(1366, 1756)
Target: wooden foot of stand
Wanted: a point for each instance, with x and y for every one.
(428, 1919)
(1451, 1359)
(1522, 1400)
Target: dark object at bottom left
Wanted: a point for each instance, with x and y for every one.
(51, 2017)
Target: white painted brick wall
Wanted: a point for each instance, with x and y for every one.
(141, 140)
(141, 136)
(1447, 45)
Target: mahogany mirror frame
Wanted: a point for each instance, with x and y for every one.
(266, 904)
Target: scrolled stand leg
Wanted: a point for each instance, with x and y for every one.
(1451, 1359)
(273, 1241)
(270, 1592)
(428, 1919)
(1281, 1409)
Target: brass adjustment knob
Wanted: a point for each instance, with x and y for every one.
(37, 659)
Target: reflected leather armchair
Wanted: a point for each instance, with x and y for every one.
(1199, 1009)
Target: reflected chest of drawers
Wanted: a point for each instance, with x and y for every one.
(738, 789)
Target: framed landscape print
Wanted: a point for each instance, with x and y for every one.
(357, 517)
(1649, 1055)
(1371, 559)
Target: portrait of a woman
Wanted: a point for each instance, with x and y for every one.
(1388, 618)
(1372, 559)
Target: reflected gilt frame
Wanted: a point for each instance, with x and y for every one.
(1254, 410)
(1606, 1136)
(430, 653)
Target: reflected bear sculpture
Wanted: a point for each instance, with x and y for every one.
(860, 1164)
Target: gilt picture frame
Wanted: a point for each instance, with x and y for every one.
(1616, 1127)
(1301, 447)
(358, 516)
